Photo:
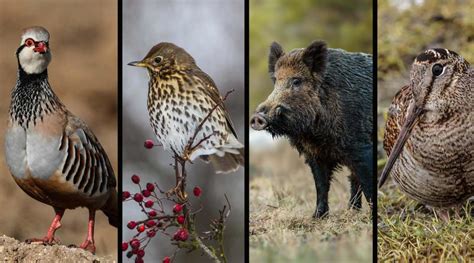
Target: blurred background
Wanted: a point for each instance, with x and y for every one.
(83, 73)
(212, 32)
(405, 29)
(282, 193)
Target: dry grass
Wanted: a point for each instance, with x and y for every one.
(408, 231)
(282, 201)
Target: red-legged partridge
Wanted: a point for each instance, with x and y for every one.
(53, 156)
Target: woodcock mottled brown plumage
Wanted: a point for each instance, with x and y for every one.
(180, 96)
(53, 156)
(429, 134)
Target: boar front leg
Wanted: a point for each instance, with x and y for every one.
(322, 178)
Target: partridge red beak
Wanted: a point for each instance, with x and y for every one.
(40, 47)
(412, 118)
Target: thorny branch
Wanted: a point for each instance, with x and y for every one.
(216, 253)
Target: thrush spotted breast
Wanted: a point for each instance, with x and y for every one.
(52, 154)
(180, 97)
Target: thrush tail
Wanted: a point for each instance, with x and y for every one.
(228, 163)
(110, 209)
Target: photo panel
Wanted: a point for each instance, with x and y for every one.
(183, 103)
(311, 131)
(425, 131)
(58, 105)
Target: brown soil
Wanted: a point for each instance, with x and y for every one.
(12, 250)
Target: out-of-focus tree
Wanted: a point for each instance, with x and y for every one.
(406, 28)
(294, 24)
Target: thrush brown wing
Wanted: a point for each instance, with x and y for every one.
(212, 91)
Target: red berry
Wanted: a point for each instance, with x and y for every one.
(152, 213)
(138, 197)
(149, 144)
(150, 187)
(150, 223)
(166, 260)
(177, 208)
(139, 259)
(183, 235)
(132, 224)
(141, 253)
(135, 250)
(141, 228)
(135, 179)
(149, 203)
(197, 191)
(151, 233)
(124, 246)
(135, 243)
(125, 195)
(146, 193)
(180, 219)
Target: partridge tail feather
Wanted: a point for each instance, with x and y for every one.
(110, 209)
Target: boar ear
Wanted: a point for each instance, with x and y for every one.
(276, 51)
(315, 56)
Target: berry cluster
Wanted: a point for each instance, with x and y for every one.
(151, 200)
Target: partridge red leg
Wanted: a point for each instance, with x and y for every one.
(55, 225)
(88, 244)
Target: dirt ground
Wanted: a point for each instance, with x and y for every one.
(12, 250)
(83, 73)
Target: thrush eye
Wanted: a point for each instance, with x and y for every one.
(158, 59)
(29, 42)
(437, 69)
(296, 82)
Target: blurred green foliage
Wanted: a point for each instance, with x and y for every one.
(406, 28)
(295, 24)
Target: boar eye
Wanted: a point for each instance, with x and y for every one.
(296, 82)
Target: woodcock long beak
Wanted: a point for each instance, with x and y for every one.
(137, 64)
(412, 118)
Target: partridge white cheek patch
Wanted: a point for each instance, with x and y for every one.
(33, 62)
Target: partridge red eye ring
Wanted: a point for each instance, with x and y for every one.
(29, 42)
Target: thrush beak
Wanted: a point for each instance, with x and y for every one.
(138, 64)
(411, 120)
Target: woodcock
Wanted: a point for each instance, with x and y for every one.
(180, 97)
(53, 156)
(429, 134)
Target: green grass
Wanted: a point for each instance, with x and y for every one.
(282, 202)
(408, 231)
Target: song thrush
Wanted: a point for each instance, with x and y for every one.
(53, 156)
(429, 135)
(180, 97)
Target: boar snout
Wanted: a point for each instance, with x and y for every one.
(258, 122)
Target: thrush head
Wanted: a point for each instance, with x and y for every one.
(34, 53)
(165, 58)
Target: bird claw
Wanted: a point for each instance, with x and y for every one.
(88, 245)
(47, 241)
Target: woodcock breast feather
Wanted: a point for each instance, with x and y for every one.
(180, 96)
(53, 156)
(429, 134)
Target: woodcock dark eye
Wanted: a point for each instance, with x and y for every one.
(437, 69)
(158, 60)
